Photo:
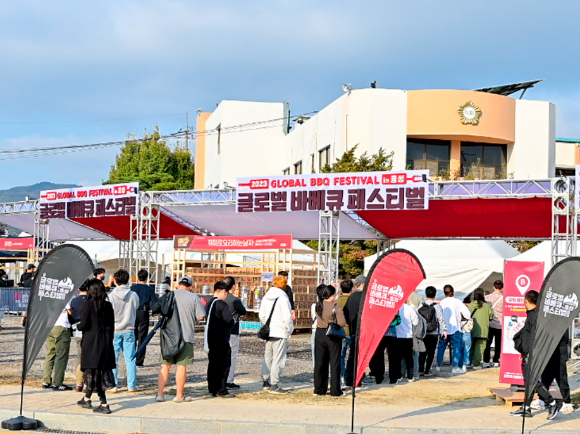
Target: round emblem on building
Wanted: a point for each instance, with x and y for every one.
(469, 113)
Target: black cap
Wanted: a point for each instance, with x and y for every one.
(30, 266)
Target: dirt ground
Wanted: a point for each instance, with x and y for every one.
(469, 390)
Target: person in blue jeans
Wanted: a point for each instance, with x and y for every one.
(345, 289)
(125, 303)
(454, 312)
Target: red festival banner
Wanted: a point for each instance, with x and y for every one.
(393, 277)
(260, 242)
(519, 278)
(16, 243)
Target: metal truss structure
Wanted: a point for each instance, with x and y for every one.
(564, 219)
(490, 189)
(328, 247)
(41, 237)
(144, 240)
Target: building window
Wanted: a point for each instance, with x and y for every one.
(298, 168)
(323, 158)
(432, 155)
(286, 171)
(312, 163)
(219, 137)
(483, 161)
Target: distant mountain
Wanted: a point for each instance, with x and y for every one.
(16, 194)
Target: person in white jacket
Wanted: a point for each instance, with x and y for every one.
(277, 304)
(409, 319)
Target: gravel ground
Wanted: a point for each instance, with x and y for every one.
(298, 365)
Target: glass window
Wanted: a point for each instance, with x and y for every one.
(286, 171)
(219, 138)
(323, 157)
(428, 154)
(483, 161)
(298, 168)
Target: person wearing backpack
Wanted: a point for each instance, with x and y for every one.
(481, 314)
(433, 314)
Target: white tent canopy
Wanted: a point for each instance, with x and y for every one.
(463, 264)
(541, 253)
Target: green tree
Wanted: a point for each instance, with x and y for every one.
(154, 164)
(353, 253)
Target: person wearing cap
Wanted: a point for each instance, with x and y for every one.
(190, 309)
(28, 275)
(351, 309)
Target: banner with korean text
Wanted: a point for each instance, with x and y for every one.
(23, 243)
(260, 242)
(519, 278)
(357, 191)
(390, 282)
(83, 202)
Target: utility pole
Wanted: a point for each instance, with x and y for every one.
(187, 131)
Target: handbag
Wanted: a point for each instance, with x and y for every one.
(264, 332)
(467, 324)
(334, 331)
(205, 331)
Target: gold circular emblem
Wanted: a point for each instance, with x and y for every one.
(469, 113)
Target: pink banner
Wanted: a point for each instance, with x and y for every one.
(519, 278)
(16, 243)
(260, 242)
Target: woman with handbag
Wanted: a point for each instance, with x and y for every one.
(482, 314)
(98, 355)
(330, 321)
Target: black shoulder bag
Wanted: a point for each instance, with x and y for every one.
(264, 332)
(334, 331)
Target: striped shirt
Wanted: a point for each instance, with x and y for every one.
(496, 298)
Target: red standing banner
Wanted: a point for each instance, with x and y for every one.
(519, 278)
(392, 278)
(260, 242)
(16, 243)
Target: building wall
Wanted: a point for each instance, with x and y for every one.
(534, 152)
(567, 155)
(249, 142)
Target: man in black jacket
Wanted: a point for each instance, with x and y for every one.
(147, 297)
(523, 344)
(237, 310)
(219, 327)
(351, 311)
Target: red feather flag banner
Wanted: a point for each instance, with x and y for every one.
(391, 280)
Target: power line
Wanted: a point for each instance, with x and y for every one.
(87, 121)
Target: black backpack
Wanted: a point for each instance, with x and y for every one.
(430, 315)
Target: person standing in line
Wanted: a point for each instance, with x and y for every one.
(57, 351)
(523, 345)
(409, 319)
(313, 333)
(147, 297)
(327, 348)
(76, 305)
(482, 315)
(453, 310)
(219, 329)
(189, 308)
(237, 310)
(436, 327)
(97, 323)
(28, 275)
(345, 288)
(377, 362)
(495, 299)
(99, 273)
(277, 305)
(351, 311)
(289, 293)
(125, 303)
(416, 299)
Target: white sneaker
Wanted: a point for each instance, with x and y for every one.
(477, 368)
(410, 380)
(112, 390)
(457, 370)
(567, 408)
(538, 404)
(464, 369)
(495, 365)
(485, 365)
(437, 369)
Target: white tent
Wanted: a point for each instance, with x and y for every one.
(463, 264)
(541, 253)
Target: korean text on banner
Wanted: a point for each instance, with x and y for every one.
(83, 202)
(519, 278)
(393, 277)
(358, 191)
(260, 242)
(17, 243)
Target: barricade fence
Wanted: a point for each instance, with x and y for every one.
(14, 301)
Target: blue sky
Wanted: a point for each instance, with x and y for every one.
(86, 72)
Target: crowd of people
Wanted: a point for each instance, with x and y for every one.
(108, 320)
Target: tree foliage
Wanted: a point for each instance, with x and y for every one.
(154, 164)
(381, 161)
(352, 254)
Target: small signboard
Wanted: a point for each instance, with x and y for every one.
(268, 276)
